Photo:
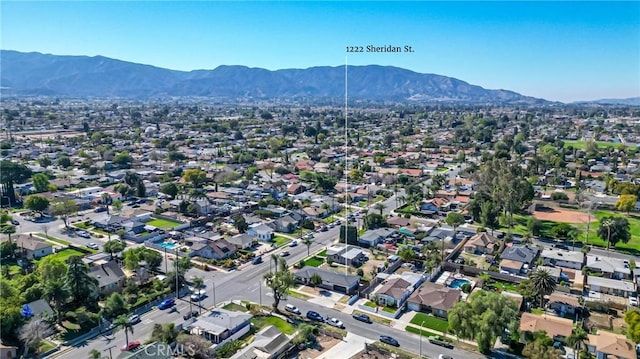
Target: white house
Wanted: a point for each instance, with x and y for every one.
(563, 258)
(261, 231)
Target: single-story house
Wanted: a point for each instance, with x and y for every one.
(242, 241)
(562, 258)
(614, 268)
(555, 327)
(268, 343)
(373, 237)
(511, 266)
(620, 288)
(219, 249)
(261, 231)
(284, 224)
(563, 305)
(41, 309)
(343, 283)
(523, 254)
(347, 255)
(32, 247)
(221, 325)
(434, 298)
(110, 277)
(482, 242)
(610, 345)
(394, 292)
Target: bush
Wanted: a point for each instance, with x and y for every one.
(360, 272)
(71, 316)
(559, 196)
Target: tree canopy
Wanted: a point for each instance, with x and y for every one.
(483, 318)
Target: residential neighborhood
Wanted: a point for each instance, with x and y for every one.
(254, 210)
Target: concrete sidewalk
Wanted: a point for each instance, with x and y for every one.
(351, 345)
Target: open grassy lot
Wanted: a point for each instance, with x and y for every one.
(581, 145)
(162, 223)
(235, 307)
(632, 246)
(430, 322)
(263, 321)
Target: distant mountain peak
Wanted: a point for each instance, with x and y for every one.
(98, 76)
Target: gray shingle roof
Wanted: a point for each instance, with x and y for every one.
(329, 276)
(523, 254)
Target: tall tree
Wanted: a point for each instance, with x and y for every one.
(626, 202)
(280, 282)
(34, 332)
(56, 294)
(542, 283)
(64, 208)
(308, 242)
(195, 176)
(114, 246)
(37, 203)
(614, 229)
(483, 317)
(124, 323)
(40, 182)
(11, 173)
(489, 216)
(380, 207)
(82, 286)
(632, 319)
(105, 198)
(170, 189)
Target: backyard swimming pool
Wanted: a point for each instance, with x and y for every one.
(459, 282)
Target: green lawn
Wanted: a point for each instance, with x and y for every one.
(581, 145)
(323, 253)
(370, 304)
(313, 262)
(162, 223)
(235, 307)
(45, 346)
(82, 225)
(280, 240)
(263, 321)
(389, 309)
(434, 323)
(537, 311)
(54, 239)
(504, 286)
(424, 332)
(298, 295)
(634, 223)
(66, 253)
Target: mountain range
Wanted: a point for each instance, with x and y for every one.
(83, 76)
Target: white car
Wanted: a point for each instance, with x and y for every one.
(633, 301)
(92, 245)
(198, 296)
(84, 234)
(334, 322)
(292, 308)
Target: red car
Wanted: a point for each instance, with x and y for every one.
(130, 346)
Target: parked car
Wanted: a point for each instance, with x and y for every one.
(389, 340)
(130, 346)
(293, 244)
(167, 303)
(84, 234)
(315, 316)
(335, 322)
(92, 245)
(443, 356)
(199, 295)
(285, 253)
(100, 209)
(257, 260)
(633, 301)
(15, 222)
(362, 317)
(292, 308)
(134, 319)
(441, 342)
(191, 314)
(324, 229)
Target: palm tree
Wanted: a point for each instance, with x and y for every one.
(607, 224)
(315, 279)
(307, 242)
(94, 354)
(542, 283)
(124, 323)
(275, 259)
(577, 338)
(106, 199)
(380, 207)
(407, 254)
(56, 293)
(198, 282)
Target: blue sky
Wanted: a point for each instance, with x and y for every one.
(562, 51)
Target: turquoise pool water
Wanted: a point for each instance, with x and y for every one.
(458, 283)
(167, 245)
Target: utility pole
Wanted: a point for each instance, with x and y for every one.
(109, 349)
(166, 264)
(214, 294)
(177, 281)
